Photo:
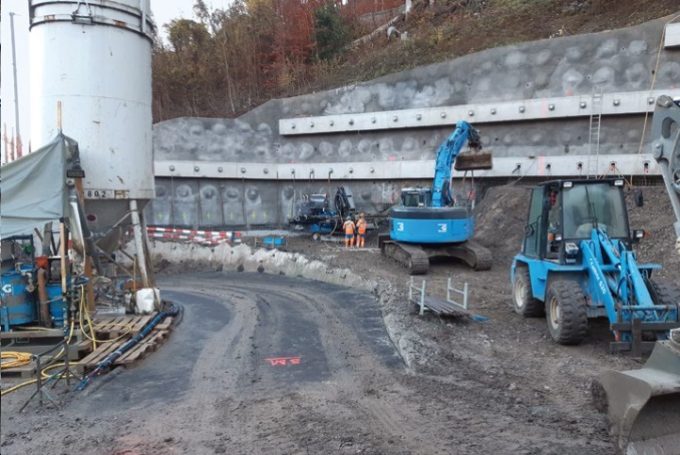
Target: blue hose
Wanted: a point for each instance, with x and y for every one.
(105, 364)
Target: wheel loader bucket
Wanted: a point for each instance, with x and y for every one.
(643, 405)
(471, 161)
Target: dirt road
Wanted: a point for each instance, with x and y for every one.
(271, 364)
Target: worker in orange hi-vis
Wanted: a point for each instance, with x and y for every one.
(349, 228)
(361, 231)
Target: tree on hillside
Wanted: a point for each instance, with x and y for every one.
(331, 32)
(227, 61)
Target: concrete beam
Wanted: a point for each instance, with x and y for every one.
(672, 35)
(619, 103)
(538, 166)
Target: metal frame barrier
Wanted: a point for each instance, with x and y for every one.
(463, 292)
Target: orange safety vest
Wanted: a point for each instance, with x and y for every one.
(361, 226)
(349, 227)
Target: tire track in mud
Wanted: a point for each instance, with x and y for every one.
(343, 379)
(210, 388)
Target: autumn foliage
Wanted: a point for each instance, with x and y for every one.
(228, 61)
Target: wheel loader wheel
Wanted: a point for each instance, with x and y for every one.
(566, 312)
(522, 298)
(665, 293)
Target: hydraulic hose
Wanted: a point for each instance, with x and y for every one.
(112, 357)
(42, 372)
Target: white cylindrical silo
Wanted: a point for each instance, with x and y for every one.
(94, 57)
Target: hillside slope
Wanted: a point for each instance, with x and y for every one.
(449, 29)
(231, 61)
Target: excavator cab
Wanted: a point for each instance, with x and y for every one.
(416, 197)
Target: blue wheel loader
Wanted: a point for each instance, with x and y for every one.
(577, 263)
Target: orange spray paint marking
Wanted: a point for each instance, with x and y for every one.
(283, 361)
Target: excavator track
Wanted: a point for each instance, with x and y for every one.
(472, 253)
(410, 256)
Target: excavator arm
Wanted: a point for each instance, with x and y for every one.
(446, 156)
(666, 150)
(344, 202)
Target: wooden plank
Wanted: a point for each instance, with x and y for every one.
(105, 325)
(148, 345)
(141, 347)
(121, 326)
(101, 352)
(443, 307)
(21, 334)
(23, 371)
(83, 346)
(165, 324)
(143, 321)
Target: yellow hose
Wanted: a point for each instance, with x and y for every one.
(17, 387)
(19, 359)
(91, 336)
(33, 381)
(23, 358)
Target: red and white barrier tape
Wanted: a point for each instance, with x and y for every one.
(203, 237)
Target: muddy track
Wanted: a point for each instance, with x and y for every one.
(271, 364)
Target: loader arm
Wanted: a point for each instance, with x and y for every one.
(619, 283)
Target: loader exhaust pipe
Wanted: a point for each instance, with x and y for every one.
(643, 405)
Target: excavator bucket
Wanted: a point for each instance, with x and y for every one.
(643, 405)
(472, 161)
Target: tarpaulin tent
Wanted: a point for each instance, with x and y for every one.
(33, 188)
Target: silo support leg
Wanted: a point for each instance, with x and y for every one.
(139, 244)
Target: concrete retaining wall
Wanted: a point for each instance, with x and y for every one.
(617, 61)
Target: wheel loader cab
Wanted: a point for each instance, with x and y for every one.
(564, 212)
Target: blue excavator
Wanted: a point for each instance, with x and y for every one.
(432, 222)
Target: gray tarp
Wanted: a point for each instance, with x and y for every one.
(33, 188)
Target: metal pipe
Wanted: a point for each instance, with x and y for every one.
(139, 242)
(16, 85)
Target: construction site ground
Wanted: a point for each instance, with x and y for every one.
(266, 363)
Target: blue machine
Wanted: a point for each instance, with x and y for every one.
(18, 304)
(577, 263)
(313, 213)
(54, 294)
(429, 222)
(271, 242)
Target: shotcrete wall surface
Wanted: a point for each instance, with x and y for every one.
(616, 61)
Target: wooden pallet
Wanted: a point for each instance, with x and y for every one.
(123, 327)
(148, 345)
(110, 328)
(126, 328)
(24, 371)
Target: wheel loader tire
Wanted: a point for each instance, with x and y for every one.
(522, 298)
(566, 312)
(665, 293)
